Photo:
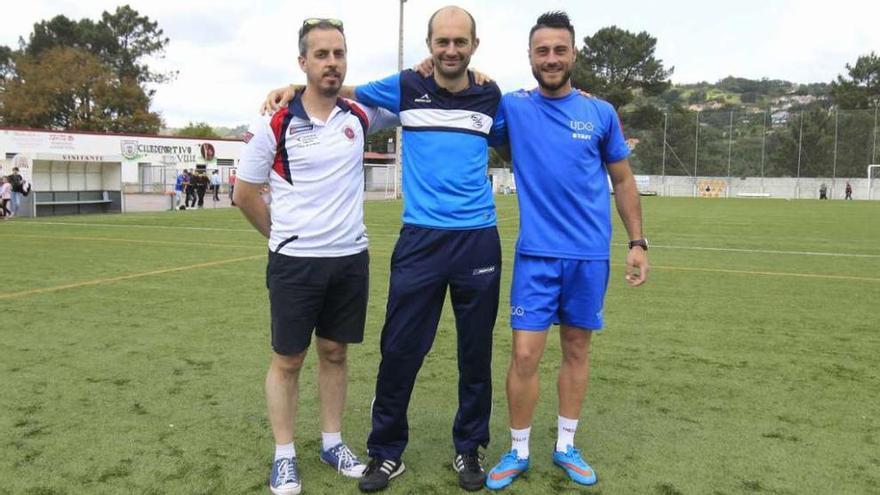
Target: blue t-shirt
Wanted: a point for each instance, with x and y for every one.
(445, 148)
(178, 184)
(560, 149)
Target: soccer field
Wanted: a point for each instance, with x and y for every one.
(133, 351)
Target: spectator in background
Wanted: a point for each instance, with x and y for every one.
(5, 195)
(823, 191)
(189, 189)
(232, 178)
(848, 191)
(178, 188)
(16, 180)
(215, 184)
(200, 182)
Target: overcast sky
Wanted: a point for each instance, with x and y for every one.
(229, 53)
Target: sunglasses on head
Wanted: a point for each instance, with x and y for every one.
(314, 21)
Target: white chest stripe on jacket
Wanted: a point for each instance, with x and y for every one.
(457, 119)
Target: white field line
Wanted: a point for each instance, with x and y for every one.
(102, 281)
(653, 246)
(763, 251)
(769, 274)
(136, 241)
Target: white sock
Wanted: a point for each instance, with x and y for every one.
(330, 440)
(566, 429)
(284, 451)
(519, 441)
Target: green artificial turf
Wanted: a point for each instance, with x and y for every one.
(133, 351)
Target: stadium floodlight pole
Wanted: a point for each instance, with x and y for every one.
(874, 146)
(834, 161)
(729, 153)
(797, 182)
(763, 147)
(398, 174)
(696, 153)
(663, 165)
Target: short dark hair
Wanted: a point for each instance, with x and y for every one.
(306, 28)
(473, 23)
(556, 19)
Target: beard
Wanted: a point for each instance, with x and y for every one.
(450, 73)
(330, 88)
(566, 77)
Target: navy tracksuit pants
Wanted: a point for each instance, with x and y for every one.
(424, 263)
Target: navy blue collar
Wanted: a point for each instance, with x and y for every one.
(472, 86)
(296, 106)
(299, 111)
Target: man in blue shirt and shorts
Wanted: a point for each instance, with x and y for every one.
(564, 148)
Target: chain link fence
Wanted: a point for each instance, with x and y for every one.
(740, 149)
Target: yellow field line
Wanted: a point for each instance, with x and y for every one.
(771, 274)
(101, 281)
(137, 241)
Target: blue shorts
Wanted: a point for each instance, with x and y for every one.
(549, 291)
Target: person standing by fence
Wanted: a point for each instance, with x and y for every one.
(231, 180)
(215, 185)
(5, 195)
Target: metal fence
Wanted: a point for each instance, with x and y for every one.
(729, 144)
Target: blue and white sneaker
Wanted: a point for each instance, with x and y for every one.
(284, 479)
(508, 468)
(575, 466)
(344, 460)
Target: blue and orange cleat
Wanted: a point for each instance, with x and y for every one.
(575, 466)
(508, 468)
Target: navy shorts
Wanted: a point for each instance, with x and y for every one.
(327, 295)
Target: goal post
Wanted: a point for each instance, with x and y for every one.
(380, 180)
(873, 173)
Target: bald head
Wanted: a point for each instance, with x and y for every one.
(451, 14)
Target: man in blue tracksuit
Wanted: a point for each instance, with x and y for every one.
(449, 239)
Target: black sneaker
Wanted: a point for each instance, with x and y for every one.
(471, 475)
(379, 472)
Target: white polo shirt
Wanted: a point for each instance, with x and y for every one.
(315, 172)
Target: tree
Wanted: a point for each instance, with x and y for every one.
(862, 88)
(69, 88)
(614, 63)
(136, 38)
(6, 66)
(197, 130)
(99, 74)
(378, 141)
(122, 40)
(812, 149)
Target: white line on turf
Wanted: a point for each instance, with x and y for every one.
(374, 234)
(653, 246)
(763, 251)
(102, 281)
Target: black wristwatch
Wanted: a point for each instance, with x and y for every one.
(642, 243)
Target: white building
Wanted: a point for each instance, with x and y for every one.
(84, 172)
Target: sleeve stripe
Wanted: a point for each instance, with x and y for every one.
(279, 124)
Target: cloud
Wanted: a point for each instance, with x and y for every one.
(230, 53)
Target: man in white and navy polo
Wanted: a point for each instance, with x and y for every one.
(311, 154)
